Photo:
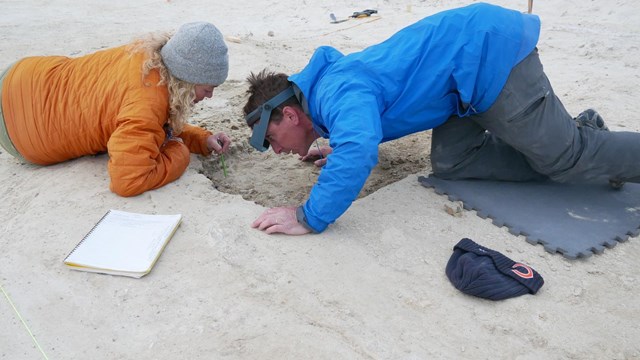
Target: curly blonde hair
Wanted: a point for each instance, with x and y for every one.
(181, 93)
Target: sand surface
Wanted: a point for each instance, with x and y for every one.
(373, 285)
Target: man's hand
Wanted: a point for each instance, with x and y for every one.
(318, 156)
(280, 220)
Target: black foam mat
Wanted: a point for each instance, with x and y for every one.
(576, 220)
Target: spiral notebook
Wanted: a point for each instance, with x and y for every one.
(123, 243)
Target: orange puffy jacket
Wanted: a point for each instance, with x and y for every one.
(58, 108)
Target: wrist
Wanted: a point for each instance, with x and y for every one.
(302, 219)
(209, 142)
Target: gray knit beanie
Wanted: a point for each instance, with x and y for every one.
(197, 54)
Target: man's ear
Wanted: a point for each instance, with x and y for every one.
(291, 113)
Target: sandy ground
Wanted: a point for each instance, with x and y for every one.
(373, 285)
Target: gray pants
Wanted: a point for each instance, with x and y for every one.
(528, 135)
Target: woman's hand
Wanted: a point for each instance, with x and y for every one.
(218, 143)
(318, 156)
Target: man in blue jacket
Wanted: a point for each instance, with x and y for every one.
(471, 74)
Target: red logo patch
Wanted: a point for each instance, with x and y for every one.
(517, 269)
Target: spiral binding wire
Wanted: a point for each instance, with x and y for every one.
(88, 234)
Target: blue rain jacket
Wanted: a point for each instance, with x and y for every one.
(451, 63)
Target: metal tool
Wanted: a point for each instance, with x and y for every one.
(355, 15)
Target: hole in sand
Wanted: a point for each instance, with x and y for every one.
(276, 180)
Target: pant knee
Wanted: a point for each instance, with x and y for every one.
(442, 165)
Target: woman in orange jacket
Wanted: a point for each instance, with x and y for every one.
(132, 101)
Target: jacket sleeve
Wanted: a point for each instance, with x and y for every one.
(196, 139)
(351, 113)
(138, 160)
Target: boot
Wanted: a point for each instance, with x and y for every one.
(590, 118)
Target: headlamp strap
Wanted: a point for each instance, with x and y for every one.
(263, 112)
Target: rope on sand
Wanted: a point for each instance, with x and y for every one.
(23, 322)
